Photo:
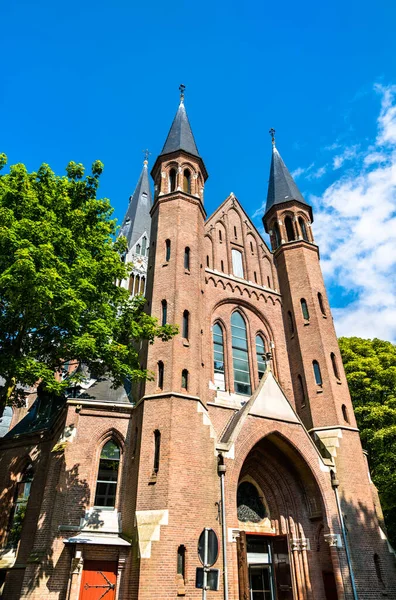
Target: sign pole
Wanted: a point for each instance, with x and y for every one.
(205, 567)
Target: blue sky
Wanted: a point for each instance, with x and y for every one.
(89, 80)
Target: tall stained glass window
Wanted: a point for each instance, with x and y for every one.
(240, 358)
(106, 484)
(218, 355)
(260, 352)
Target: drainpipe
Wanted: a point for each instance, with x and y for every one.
(221, 471)
(334, 484)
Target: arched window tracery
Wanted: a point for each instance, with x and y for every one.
(218, 357)
(187, 181)
(240, 356)
(289, 229)
(106, 483)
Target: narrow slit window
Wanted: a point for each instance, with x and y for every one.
(187, 259)
(167, 250)
(334, 364)
(255, 276)
(218, 357)
(240, 357)
(187, 181)
(181, 562)
(220, 236)
(106, 483)
(321, 304)
(251, 248)
(160, 375)
(268, 281)
(317, 373)
(186, 324)
(304, 309)
(207, 260)
(157, 449)
(289, 229)
(164, 311)
(144, 246)
(184, 379)
(222, 265)
(303, 228)
(142, 285)
(303, 398)
(291, 322)
(235, 233)
(345, 413)
(260, 353)
(172, 180)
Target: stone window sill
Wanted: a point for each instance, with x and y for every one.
(319, 391)
(339, 382)
(165, 264)
(153, 479)
(306, 323)
(186, 343)
(187, 271)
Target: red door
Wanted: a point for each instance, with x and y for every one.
(98, 580)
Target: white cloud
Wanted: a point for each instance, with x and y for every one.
(355, 226)
(297, 172)
(348, 154)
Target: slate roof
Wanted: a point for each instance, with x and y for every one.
(281, 185)
(180, 136)
(137, 219)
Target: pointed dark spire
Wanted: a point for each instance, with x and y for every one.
(137, 219)
(180, 136)
(281, 186)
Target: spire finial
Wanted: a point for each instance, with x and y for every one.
(272, 134)
(146, 155)
(181, 89)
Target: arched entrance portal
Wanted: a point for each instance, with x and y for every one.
(281, 550)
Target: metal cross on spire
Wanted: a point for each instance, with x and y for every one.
(146, 155)
(272, 134)
(181, 89)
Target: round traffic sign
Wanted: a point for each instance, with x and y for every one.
(208, 547)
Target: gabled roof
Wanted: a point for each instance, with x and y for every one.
(137, 219)
(268, 401)
(281, 186)
(180, 136)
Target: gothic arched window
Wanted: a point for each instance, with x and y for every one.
(218, 357)
(157, 449)
(184, 379)
(240, 358)
(186, 323)
(321, 304)
(160, 374)
(260, 353)
(106, 483)
(317, 373)
(138, 248)
(187, 181)
(172, 180)
(334, 364)
(164, 311)
(303, 228)
(187, 258)
(144, 246)
(304, 309)
(18, 511)
(250, 507)
(277, 236)
(289, 229)
(167, 250)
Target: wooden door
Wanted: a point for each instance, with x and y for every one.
(330, 585)
(243, 572)
(281, 562)
(98, 580)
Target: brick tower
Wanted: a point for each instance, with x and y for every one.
(321, 391)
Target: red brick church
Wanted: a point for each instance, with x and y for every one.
(247, 427)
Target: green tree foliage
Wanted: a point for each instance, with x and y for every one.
(59, 263)
(370, 367)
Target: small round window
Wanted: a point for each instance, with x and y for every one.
(250, 507)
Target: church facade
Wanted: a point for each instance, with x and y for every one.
(247, 427)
